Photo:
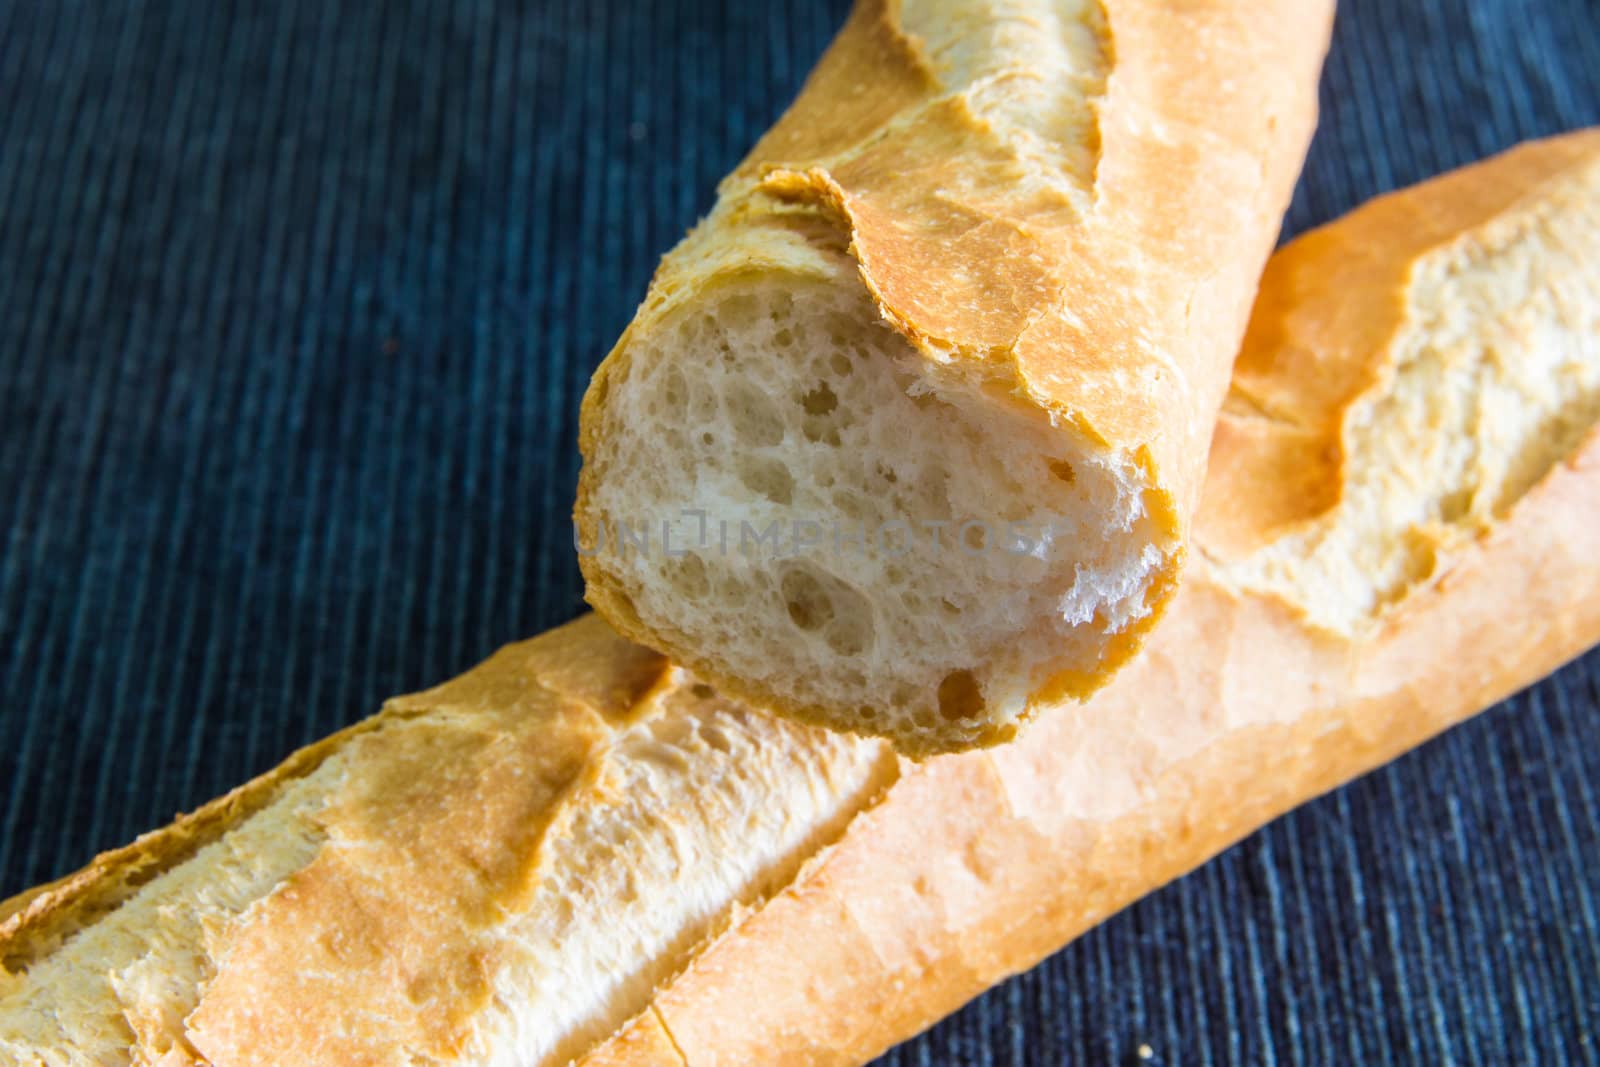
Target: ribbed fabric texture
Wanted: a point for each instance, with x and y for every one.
(297, 302)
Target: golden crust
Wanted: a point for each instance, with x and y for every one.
(585, 660)
(376, 944)
(1277, 455)
(386, 894)
(644, 1041)
(34, 922)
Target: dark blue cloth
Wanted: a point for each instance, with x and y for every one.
(297, 301)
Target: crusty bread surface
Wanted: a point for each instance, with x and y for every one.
(392, 894)
(907, 435)
(577, 851)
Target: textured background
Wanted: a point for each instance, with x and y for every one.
(297, 300)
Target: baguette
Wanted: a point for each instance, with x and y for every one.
(578, 851)
(907, 435)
